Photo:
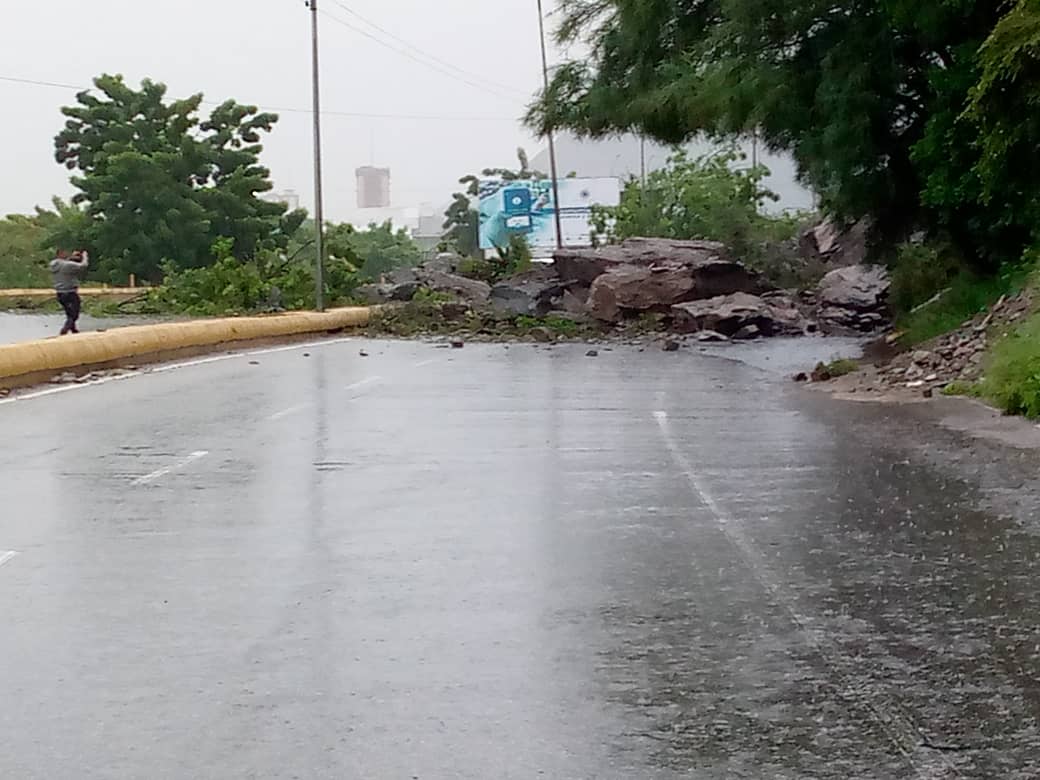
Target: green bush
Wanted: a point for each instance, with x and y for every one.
(231, 286)
(1012, 380)
(23, 259)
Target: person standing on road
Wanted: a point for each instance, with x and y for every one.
(67, 272)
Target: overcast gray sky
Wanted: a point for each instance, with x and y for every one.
(257, 51)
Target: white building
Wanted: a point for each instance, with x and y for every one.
(625, 156)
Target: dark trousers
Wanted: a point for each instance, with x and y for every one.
(71, 304)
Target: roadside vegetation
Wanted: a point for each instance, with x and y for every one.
(918, 120)
(933, 293)
(717, 197)
(178, 205)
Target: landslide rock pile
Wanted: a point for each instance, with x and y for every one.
(688, 286)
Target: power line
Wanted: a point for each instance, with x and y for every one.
(289, 110)
(426, 54)
(406, 53)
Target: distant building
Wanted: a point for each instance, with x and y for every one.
(290, 198)
(430, 231)
(627, 156)
(373, 187)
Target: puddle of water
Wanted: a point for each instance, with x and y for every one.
(790, 355)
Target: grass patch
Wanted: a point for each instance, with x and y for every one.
(1012, 380)
(560, 326)
(962, 389)
(842, 367)
(825, 372)
(966, 296)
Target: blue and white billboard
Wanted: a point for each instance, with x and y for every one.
(525, 207)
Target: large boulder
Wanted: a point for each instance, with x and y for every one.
(585, 265)
(740, 313)
(639, 288)
(533, 293)
(855, 297)
(651, 275)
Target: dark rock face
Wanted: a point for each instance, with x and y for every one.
(855, 297)
(533, 293)
(586, 265)
(651, 275)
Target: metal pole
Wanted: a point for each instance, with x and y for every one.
(552, 141)
(319, 206)
(642, 160)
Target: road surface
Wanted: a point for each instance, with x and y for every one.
(17, 326)
(500, 563)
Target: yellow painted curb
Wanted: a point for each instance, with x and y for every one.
(85, 292)
(91, 349)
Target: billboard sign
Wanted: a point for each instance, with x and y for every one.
(525, 207)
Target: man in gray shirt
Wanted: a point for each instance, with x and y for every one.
(67, 272)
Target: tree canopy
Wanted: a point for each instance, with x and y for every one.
(869, 96)
(160, 183)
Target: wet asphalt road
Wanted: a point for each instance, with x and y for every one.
(500, 563)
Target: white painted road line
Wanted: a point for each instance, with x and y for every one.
(170, 367)
(7, 556)
(287, 412)
(160, 473)
(890, 720)
(364, 382)
(162, 369)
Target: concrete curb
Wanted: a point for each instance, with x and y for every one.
(85, 292)
(33, 361)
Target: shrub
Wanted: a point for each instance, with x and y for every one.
(23, 260)
(231, 286)
(226, 287)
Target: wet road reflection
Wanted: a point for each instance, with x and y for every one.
(502, 563)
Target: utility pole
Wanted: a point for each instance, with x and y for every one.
(642, 160)
(552, 141)
(319, 206)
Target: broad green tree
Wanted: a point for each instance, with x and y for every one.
(1005, 111)
(850, 88)
(160, 183)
